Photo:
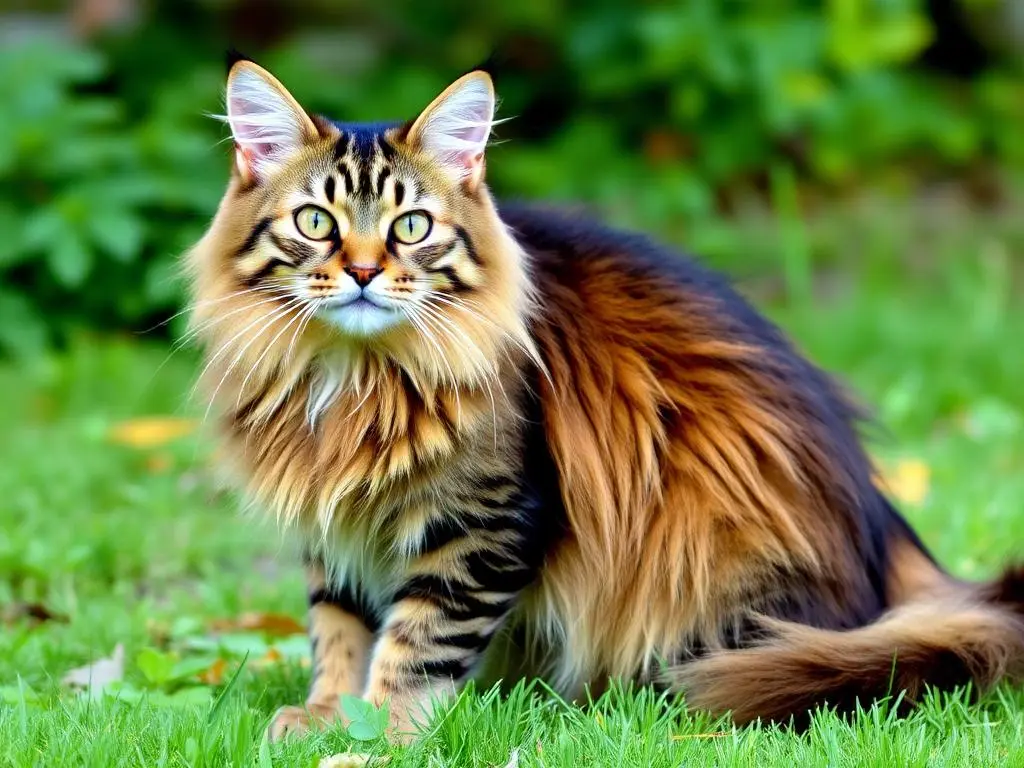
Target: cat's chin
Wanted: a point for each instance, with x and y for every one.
(362, 319)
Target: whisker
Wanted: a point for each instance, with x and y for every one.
(489, 372)
(274, 315)
(206, 325)
(259, 360)
(420, 325)
(204, 303)
(459, 303)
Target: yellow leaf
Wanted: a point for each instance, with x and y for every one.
(270, 657)
(275, 624)
(908, 480)
(215, 674)
(151, 431)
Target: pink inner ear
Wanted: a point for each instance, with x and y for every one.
(250, 133)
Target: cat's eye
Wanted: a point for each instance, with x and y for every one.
(314, 223)
(412, 227)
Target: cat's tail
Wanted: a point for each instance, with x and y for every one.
(943, 638)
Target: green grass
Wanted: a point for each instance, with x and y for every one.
(141, 547)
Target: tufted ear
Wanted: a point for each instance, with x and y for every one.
(456, 125)
(267, 123)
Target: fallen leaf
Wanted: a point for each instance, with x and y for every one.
(152, 431)
(688, 736)
(908, 481)
(35, 612)
(215, 674)
(93, 678)
(270, 657)
(276, 624)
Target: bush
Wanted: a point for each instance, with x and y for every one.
(659, 115)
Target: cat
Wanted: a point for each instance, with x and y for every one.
(513, 439)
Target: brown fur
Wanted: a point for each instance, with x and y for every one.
(719, 514)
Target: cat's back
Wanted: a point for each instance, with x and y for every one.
(633, 286)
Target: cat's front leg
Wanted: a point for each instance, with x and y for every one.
(341, 643)
(458, 592)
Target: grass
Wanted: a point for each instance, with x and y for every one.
(139, 546)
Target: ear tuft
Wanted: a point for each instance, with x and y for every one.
(267, 123)
(456, 125)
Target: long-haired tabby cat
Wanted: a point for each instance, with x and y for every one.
(506, 433)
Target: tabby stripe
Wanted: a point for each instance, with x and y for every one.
(454, 668)
(342, 146)
(329, 189)
(430, 254)
(452, 598)
(381, 179)
(461, 233)
(510, 576)
(254, 235)
(346, 178)
(452, 277)
(399, 192)
(265, 271)
(441, 531)
(466, 640)
(386, 150)
(364, 181)
(346, 600)
(300, 252)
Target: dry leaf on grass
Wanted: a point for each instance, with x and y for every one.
(151, 431)
(215, 674)
(276, 624)
(93, 678)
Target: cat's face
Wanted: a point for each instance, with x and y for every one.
(380, 239)
(359, 224)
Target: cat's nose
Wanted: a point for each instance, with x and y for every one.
(362, 275)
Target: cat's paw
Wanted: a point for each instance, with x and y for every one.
(296, 721)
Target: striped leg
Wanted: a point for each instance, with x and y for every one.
(341, 644)
(458, 591)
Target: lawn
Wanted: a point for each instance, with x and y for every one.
(115, 531)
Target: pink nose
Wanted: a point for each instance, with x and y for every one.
(362, 275)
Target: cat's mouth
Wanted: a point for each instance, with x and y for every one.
(360, 316)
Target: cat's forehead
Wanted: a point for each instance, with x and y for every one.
(366, 169)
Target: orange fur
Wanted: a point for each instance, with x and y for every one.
(715, 496)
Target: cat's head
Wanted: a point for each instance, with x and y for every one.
(368, 239)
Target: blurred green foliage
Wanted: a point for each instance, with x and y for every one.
(661, 116)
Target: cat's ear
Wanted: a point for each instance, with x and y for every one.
(267, 123)
(456, 125)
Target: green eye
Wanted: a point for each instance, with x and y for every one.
(314, 223)
(412, 227)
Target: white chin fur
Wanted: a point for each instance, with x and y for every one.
(363, 320)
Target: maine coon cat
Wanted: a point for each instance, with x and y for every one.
(517, 440)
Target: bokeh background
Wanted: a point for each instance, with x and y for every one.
(857, 166)
(675, 117)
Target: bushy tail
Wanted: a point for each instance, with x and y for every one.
(972, 634)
